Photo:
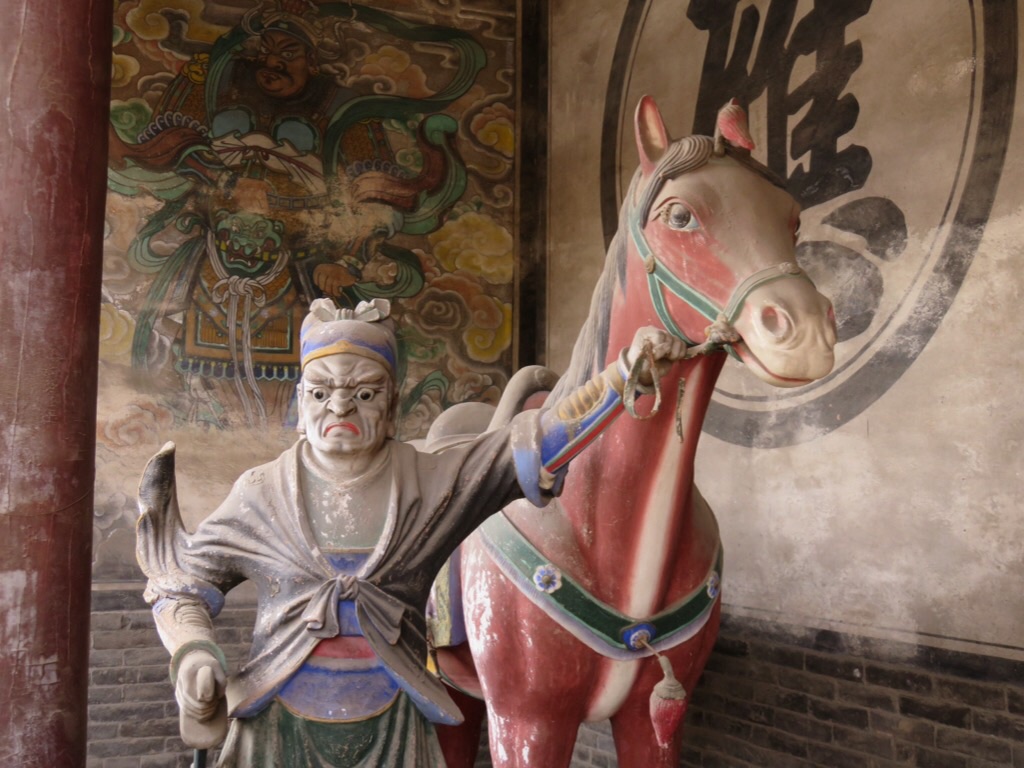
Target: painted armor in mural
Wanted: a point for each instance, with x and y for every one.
(342, 536)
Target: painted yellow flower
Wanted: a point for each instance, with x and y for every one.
(122, 69)
(485, 342)
(395, 65)
(477, 244)
(150, 20)
(138, 423)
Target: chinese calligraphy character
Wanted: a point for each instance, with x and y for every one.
(828, 171)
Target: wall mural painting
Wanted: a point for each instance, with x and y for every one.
(266, 154)
(853, 139)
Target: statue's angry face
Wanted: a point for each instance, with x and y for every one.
(247, 242)
(346, 404)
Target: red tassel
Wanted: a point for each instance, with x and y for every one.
(668, 705)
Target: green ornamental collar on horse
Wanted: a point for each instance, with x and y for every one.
(593, 622)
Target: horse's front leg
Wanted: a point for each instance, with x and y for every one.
(531, 740)
(460, 743)
(635, 745)
(535, 676)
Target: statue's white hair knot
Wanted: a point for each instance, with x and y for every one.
(327, 311)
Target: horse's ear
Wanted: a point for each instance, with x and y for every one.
(731, 127)
(651, 137)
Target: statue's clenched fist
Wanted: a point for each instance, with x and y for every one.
(199, 689)
(655, 344)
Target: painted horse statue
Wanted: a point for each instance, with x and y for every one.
(578, 612)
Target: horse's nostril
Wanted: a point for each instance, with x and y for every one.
(775, 321)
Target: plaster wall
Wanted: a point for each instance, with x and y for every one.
(892, 504)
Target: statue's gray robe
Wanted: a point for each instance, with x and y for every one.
(261, 534)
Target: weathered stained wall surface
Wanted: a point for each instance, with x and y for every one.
(888, 499)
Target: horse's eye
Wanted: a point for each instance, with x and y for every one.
(677, 216)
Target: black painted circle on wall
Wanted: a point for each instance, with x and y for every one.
(883, 338)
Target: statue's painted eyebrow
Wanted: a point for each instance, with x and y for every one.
(347, 382)
(372, 380)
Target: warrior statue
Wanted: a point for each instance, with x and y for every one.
(343, 535)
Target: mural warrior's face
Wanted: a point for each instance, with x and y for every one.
(247, 242)
(285, 65)
(346, 405)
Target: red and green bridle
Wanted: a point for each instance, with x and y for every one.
(686, 155)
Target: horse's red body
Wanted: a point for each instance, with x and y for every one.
(631, 526)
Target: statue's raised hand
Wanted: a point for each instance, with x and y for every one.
(183, 622)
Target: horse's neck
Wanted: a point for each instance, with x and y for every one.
(630, 496)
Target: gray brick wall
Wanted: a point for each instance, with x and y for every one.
(772, 696)
(133, 720)
(794, 698)
(594, 747)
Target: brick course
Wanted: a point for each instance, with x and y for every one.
(133, 720)
(838, 700)
(772, 696)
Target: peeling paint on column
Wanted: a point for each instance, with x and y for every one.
(14, 585)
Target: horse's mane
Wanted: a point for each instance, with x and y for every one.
(591, 348)
(588, 356)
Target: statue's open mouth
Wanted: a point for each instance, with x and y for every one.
(249, 260)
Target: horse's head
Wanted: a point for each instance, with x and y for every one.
(715, 233)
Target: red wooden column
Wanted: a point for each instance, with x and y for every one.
(54, 99)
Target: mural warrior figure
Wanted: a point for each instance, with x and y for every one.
(342, 535)
(287, 184)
